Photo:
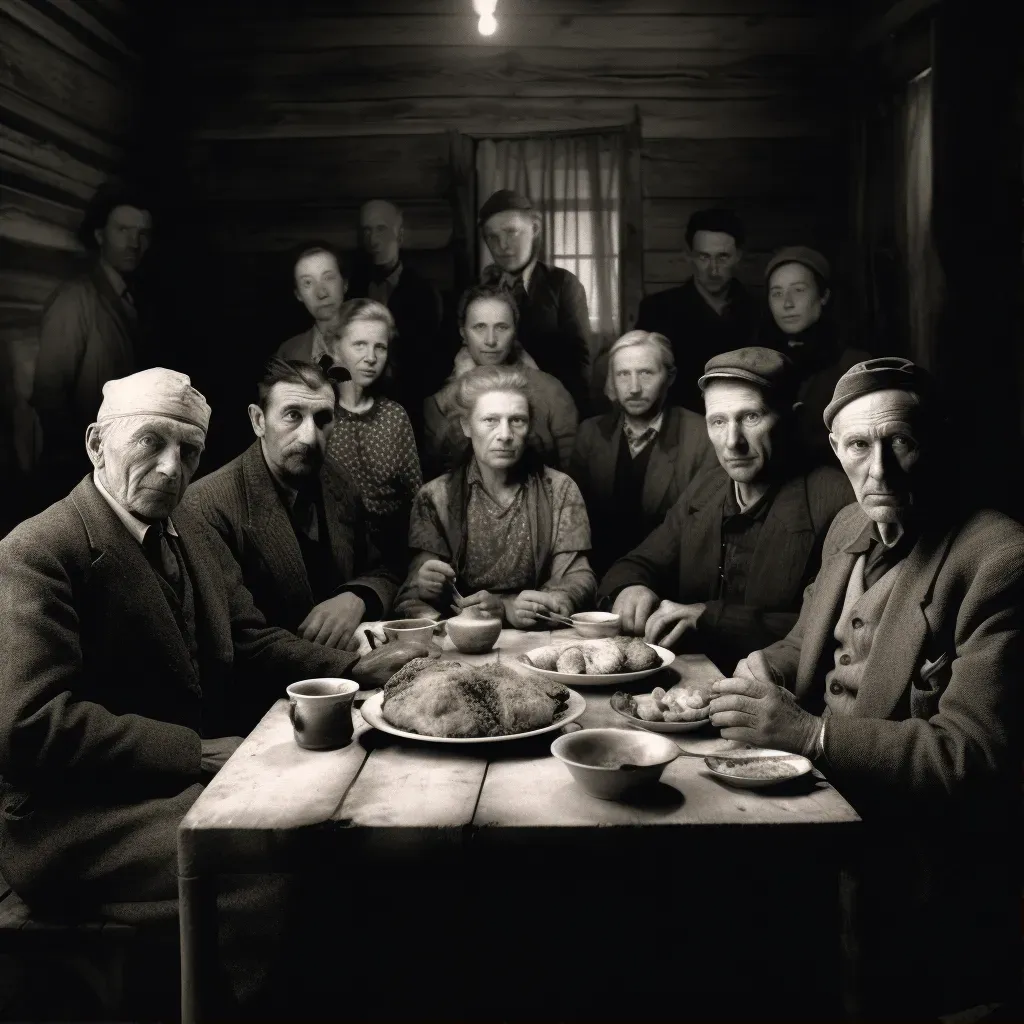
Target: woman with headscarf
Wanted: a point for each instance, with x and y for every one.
(804, 326)
(488, 320)
(500, 533)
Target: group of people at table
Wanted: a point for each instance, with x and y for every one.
(865, 614)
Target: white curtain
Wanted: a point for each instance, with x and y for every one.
(576, 183)
(924, 272)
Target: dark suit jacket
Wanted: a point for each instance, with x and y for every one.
(554, 328)
(242, 504)
(697, 332)
(681, 451)
(299, 346)
(101, 712)
(680, 560)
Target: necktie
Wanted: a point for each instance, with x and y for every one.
(157, 545)
(519, 294)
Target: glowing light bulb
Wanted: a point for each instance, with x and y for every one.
(487, 25)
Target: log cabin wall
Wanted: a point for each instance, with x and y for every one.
(297, 115)
(68, 77)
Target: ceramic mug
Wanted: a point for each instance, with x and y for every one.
(321, 712)
(411, 629)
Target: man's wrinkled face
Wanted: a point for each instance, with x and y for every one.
(124, 239)
(380, 227)
(319, 285)
(714, 257)
(795, 300)
(498, 428)
(641, 380)
(145, 462)
(294, 429)
(877, 438)
(513, 237)
(489, 331)
(741, 427)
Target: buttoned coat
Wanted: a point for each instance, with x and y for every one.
(242, 504)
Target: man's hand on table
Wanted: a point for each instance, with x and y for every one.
(216, 753)
(333, 622)
(671, 621)
(752, 707)
(522, 611)
(373, 670)
(635, 605)
(482, 603)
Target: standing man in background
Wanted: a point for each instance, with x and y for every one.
(711, 313)
(554, 323)
(90, 333)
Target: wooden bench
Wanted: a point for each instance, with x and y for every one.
(93, 950)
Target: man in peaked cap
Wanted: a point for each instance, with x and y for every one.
(133, 662)
(554, 323)
(901, 681)
(734, 554)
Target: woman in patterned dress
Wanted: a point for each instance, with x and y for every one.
(372, 439)
(507, 532)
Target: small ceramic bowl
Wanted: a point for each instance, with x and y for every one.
(594, 758)
(597, 625)
(410, 629)
(473, 634)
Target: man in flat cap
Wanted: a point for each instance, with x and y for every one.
(554, 323)
(709, 314)
(901, 680)
(732, 558)
(133, 662)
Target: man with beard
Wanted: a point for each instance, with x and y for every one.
(294, 522)
(320, 286)
(418, 367)
(554, 324)
(711, 313)
(90, 333)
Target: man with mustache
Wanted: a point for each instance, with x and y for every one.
(554, 323)
(901, 680)
(294, 521)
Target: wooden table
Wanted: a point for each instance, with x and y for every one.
(381, 797)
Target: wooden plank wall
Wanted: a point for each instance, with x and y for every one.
(300, 116)
(66, 109)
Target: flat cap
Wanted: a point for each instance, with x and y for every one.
(761, 366)
(502, 200)
(886, 373)
(800, 254)
(154, 392)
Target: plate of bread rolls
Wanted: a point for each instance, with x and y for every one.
(605, 662)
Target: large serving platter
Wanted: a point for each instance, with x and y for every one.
(373, 715)
(607, 679)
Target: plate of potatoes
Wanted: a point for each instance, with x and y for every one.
(684, 708)
(605, 662)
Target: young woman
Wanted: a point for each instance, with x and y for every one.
(487, 323)
(372, 438)
(505, 531)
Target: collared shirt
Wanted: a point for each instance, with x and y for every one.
(638, 440)
(118, 283)
(319, 348)
(499, 278)
(740, 531)
(136, 527)
(380, 291)
(879, 556)
(303, 515)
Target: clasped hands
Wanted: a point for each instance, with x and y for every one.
(659, 623)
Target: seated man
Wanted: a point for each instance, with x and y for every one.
(632, 464)
(134, 660)
(293, 521)
(737, 549)
(901, 680)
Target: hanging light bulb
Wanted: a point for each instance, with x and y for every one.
(487, 25)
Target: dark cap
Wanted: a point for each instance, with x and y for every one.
(768, 369)
(502, 200)
(803, 254)
(886, 373)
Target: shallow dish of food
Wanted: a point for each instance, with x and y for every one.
(683, 708)
(598, 662)
(608, 763)
(449, 702)
(758, 768)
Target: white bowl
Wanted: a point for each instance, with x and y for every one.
(594, 756)
(473, 634)
(597, 625)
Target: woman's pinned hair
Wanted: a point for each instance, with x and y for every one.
(486, 379)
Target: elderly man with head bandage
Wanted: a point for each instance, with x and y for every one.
(133, 661)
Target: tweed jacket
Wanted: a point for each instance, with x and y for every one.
(915, 745)
(242, 504)
(101, 709)
(680, 560)
(680, 452)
